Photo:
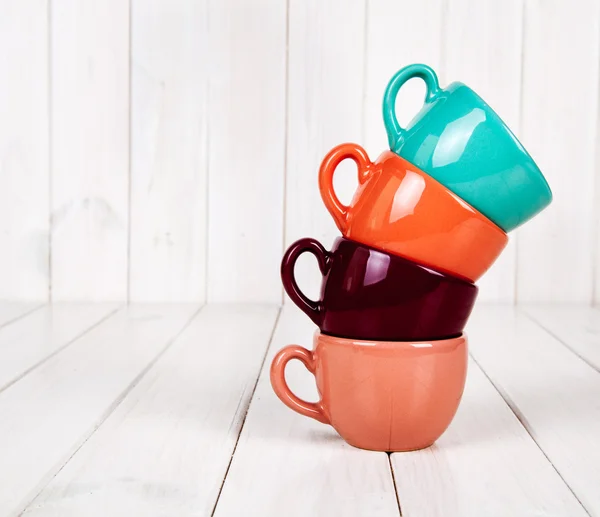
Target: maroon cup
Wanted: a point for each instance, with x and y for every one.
(370, 294)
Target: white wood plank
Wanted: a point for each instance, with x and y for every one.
(11, 311)
(49, 414)
(486, 464)
(166, 448)
(577, 326)
(554, 393)
(325, 99)
(287, 464)
(90, 149)
(24, 224)
(246, 149)
(559, 129)
(32, 339)
(168, 150)
(482, 48)
(399, 33)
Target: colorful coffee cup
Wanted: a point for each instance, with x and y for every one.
(461, 142)
(371, 294)
(401, 210)
(379, 395)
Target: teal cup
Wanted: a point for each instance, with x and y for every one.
(461, 142)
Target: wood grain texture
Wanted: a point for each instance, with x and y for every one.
(51, 412)
(554, 393)
(169, 64)
(485, 464)
(559, 118)
(287, 464)
(24, 170)
(575, 326)
(325, 108)
(30, 340)
(399, 33)
(89, 435)
(90, 149)
(166, 448)
(246, 149)
(482, 48)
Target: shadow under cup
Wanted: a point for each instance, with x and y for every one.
(370, 294)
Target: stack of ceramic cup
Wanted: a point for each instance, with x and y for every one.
(428, 219)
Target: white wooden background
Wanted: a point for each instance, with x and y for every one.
(167, 150)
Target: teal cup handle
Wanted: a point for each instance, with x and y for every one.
(394, 131)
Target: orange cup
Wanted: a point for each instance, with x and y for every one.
(400, 209)
(379, 395)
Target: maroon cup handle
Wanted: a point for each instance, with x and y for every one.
(313, 309)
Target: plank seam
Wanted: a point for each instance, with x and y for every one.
(365, 70)
(35, 366)
(44, 482)
(523, 421)
(558, 338)
(389, 455)
(286, 133)
(21, 316)
(129, 153)
(443, 40)
(206, 127)
(258, 376)
(596, 212)
(50, 153)
(520, 129)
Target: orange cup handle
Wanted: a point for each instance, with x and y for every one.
(282, 390)
(338, 154)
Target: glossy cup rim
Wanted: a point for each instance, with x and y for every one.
(447, 277)
(434, 344)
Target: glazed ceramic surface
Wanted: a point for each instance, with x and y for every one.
(379, 395)
(461, 142)
(399, 209)
(370, 294)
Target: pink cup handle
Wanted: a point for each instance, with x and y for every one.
(282, 390)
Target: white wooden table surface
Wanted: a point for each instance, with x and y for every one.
(167, 410)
